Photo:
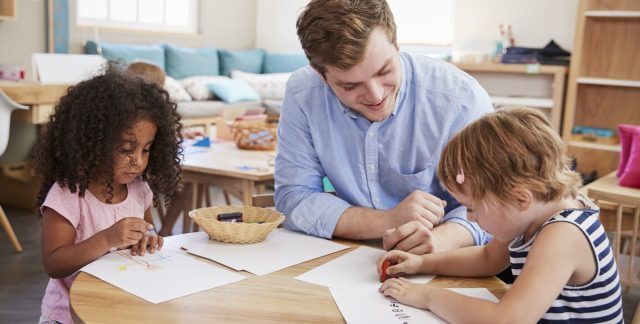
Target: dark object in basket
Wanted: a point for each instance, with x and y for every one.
(230, 217)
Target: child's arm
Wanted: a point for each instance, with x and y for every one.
(61, 257)
(561, 255)
(472, 261)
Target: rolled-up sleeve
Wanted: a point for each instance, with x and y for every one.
(298, 177)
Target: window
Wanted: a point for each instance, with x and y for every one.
(424, 22)
(150, 15)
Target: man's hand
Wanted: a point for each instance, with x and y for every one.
(412, 237)
(418, 206)
(415, 238)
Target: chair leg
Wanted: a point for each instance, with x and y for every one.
(9, 230)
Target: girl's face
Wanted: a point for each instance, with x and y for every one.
(132, 156)
(504, 222)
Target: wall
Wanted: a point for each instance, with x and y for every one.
(276, 25)
(476, 23)
(534, 23)
(23, 36)
(223, 24)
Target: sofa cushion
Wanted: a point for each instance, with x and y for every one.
(176, 90)
(185, 62)
(153, 54)
(215, 108)
(247, 61)
(233, 90)
(281, 62)
(198, 86)
(269, 86)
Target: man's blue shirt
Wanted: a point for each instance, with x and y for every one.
(377, 164)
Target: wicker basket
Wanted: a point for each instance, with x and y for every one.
(254, 136)
(248, 231)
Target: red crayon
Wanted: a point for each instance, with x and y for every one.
(383, 275)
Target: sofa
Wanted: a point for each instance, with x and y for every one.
(208, 83)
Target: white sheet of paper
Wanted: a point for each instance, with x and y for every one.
(159, 277)
(355, 271)
(281, 249)
(374, 307)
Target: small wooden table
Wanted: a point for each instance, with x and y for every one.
(275, 297)
(40, 98)
(238, 172)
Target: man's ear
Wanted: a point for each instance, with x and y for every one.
(524, 199)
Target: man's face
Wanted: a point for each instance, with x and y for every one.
(370, 87)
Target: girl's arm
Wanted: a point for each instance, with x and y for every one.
(61, 257)
(560, 255)
(472, 261)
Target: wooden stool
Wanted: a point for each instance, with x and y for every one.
(608, 194)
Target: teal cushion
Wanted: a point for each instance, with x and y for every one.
(233, 90)
(280, 63)
(246, 61)
(187, 62)
(153, 54)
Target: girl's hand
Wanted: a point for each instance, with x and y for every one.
(401, 263)
(126, 232)
(406, 292)
(153, 241)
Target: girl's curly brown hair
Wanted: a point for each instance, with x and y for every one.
(82, 136)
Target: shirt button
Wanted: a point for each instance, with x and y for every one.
(370, 134)
(372, 167)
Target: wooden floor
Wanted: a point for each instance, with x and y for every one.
(23, 281)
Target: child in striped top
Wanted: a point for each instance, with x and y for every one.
(510, 171)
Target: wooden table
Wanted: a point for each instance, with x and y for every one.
(275, 297)
(238, 172)
(41, 99)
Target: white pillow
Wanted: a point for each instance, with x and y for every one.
(269, 85)
(198, 86)
(175, 90)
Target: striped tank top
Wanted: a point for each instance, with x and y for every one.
(598, 301)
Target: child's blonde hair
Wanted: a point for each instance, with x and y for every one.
(148, 72)
(511, 148)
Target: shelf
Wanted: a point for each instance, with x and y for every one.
(7, 9)
(522, 101)
(512, 68)
(609, 82)
(613, 13)
(604, 147)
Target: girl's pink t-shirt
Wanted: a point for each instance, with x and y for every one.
(89, 216)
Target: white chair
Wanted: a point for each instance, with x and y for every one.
(6, 107)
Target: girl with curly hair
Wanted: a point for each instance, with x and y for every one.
(112, 145)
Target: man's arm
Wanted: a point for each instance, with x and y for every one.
(298, 172)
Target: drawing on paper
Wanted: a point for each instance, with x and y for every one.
(151, 265)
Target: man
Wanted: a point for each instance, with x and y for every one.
(374, 122)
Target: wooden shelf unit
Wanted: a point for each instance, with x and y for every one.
(531, 85)
(604, 82)
(8, 9)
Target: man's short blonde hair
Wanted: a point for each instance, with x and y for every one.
(336, 32)
(148, 72)
(511, 148)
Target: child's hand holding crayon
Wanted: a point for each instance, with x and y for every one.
(397, 263)
(151, 240)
